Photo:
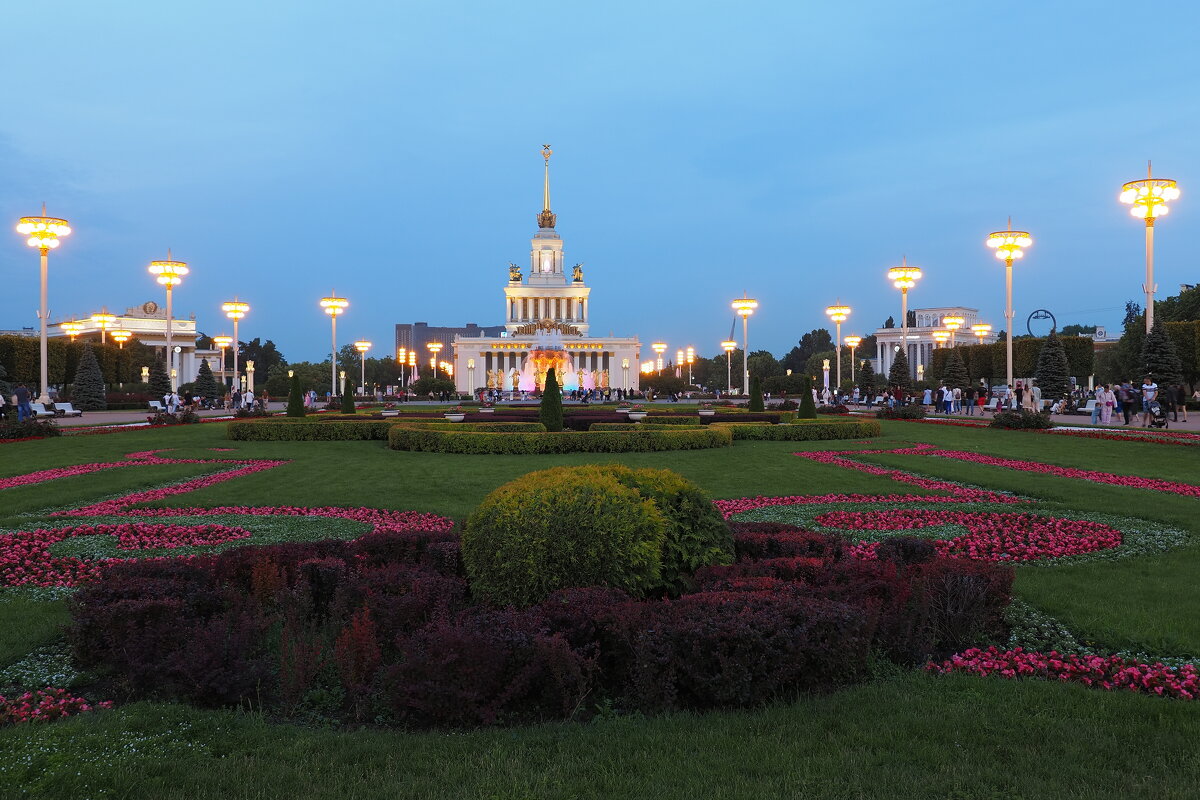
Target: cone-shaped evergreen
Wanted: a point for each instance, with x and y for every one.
(756, 399)
(295, 406)
(550, 412)
(954, 373)
(808, 409)
(1160, 359)
(1053, 370)
(160, 381)
(87, 393)
(900, 375)
(206, 384)
(347, 402)
(866, 378)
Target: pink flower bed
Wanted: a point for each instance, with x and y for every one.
(1141, 436)
(44, 705)
(991, 536)
(1104, 672)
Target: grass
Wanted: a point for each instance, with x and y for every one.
(906, 735)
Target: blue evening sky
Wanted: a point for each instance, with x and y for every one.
(792, 150)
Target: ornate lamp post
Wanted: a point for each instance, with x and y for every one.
(121, 337)
(412, 366)
(625, 374)
(250, 378)
(981, 331)
(1148, 200)
(402, 360)
(71, 328)
(362, 346)
(838, 314)
(691, 359)
(471, 376)
(941, 337)
(1009, 246)
(334, 306)
(904, 278)
(222, 342)
(678, 363)
(434, 349)
(659, 348)
(102, 319)
(729, 346)
(44, 233)
(953, 324)
(851, 342)
(236, 311)
(170, 274)
(744, 307)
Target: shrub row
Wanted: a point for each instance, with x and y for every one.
(910, 411)
(1022, 419)
(802, 431)
(404, 437)
(29, 429)
(646, 425)
(275, 430)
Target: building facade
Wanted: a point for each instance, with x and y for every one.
(921, 343)
(416, 335)
(547, 319)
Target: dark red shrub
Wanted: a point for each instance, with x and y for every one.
(905, 550)
(754, 540)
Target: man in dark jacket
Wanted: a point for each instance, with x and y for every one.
(24, 411)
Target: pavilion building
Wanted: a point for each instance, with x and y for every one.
(921, 343)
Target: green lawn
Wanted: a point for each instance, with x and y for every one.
(906, 735)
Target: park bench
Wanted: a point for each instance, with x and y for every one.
(67, 410)
(39, 410)
(992, 404)
(156, 406)
(1087, 407)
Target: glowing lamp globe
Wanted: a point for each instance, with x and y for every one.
(333, 306)
(941, 337)
(1147, 198)
(222, 341)
(169, 273)
(121, 337)
(904, 276)
(1009, 245)
(362, 346)
(838, 313)
(72, 328)
(43, 232)
(728, 346)
(853, 341)
(953, 323)
(235, 309)
(744, 306)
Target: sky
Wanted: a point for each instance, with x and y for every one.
(793, 151)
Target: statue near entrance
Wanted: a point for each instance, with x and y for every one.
(516, 380)
(578, 272)
(514, 272)
(491, 379)
(604, 379)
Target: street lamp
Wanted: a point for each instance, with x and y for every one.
(434, 349)
(170, 274)
(471, 375)
(981, 331)
(659, 348)
(904, 278)
(44, 233)
(412, 366)
(838, 314)
(851, 342)
(744, 307)
(1009, 246)
(102, 319)
(625, 374)
(222, 342)
(691, 359)
(71, 328)
(941, 337)
(334, 306)
(953, 324)
(362, 346)
(729, 346)
(678, 363)
(121, 337)
(1148, 200)
(235, 310)
(402, 360)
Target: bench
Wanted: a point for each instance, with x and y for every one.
(156, 406)
(39, 410)
(992, 404)
(67, 410)
(1087, 407)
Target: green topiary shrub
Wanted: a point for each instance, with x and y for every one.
(808, 409)
(801, 432)
(347, 403)
(550, 412)
(911, 411)
(160, 380)
(1022, 419)
(87, 393)
(295, 404)
(558, 528)
(206, 383)
(756, 398)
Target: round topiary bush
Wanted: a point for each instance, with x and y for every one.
(640, 531)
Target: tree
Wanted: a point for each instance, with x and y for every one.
(890, 322)
(6, 388)
(900, 375)
(1053, 371)
(423, 386)
(756, 398)
(1078, 330)
(160, 381)
(764, 364)
(815, 341)
(954, 375)
(295, 404)
(206, 384)
(87, 393)
(866, 377)
(808, 409)
(1160, 360)
(264, 355)
(550, 411)
(1133, 312)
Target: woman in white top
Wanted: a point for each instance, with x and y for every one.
(1107, 402)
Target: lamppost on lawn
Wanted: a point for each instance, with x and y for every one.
(235, 310)
(362, 346)
(851, 342)
(838, 314)
(691, 359)
(402, 360)
(1148, 199)
(744, 307)
(170, 274)
(121, 337)
(1009, 246)
(904, 278)
(102, 319)
(334, 306)
(222, 342)
(44, 233)
(729, 346)
(941, 337)
(659, 348)
(953, 324)
(434, 349)
(678, 363)
(71, 328)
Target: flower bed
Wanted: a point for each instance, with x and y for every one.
(45, 705)
(403, 437)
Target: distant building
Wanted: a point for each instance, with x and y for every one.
(921, 343)
(415, 335)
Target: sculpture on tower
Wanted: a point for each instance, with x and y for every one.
(514, 272)
(578, 270)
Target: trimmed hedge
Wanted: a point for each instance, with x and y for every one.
(801, 432)
(295, 431)
(405, 437)
(641, 426)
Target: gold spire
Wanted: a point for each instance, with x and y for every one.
(546, 218)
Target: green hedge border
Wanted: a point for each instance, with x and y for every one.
(284, 430)
(406, 437)
(801, 431)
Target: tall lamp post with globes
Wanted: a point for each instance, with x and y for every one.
(659, 348)
(952, 324)
(71, 328)
(744, 307)
(222, 342)
(412, 366)
(838, 313)
(402, 360)
(434, 349)
(691, 359)
(44, 233)
(121, 337)
(851, 342)
(729, 345)
(904, 278)
(102, 320)
(334, 306)
(362, 346)
(170, 274)
(1148, 200)
(235, 310)
(1009, 246)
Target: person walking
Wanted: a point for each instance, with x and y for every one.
(1036, 396)
(1108, 401)
(1149, 393)
(968, 401)
(1098, 405)
(24, 410)
(1125, 399)
(1181, 400)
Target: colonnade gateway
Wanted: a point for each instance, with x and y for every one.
(547, 317)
